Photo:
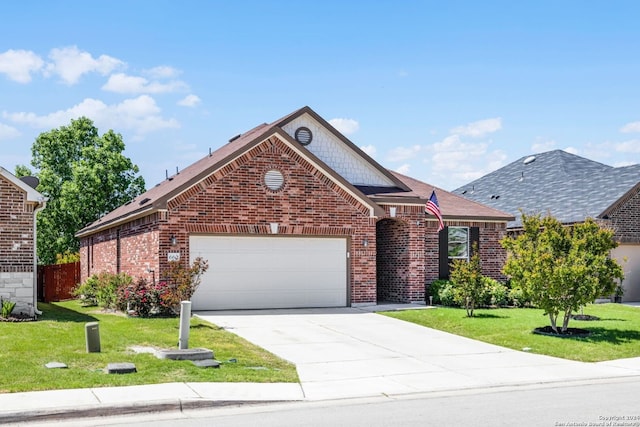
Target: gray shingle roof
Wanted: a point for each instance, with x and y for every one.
(569, 187)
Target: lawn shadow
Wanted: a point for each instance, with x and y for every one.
(613, 336)
(57, 313)
(489, 316)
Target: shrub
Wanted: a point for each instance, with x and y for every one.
(137, 297)
(447, 296)
(162, 298)
(102, 289)
(434, 289)
(88, 291)
(496, 294)
(180, 283)
(468, 283)
(6, 308)
(519, 298)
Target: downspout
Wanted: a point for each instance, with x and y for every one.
(41, 206)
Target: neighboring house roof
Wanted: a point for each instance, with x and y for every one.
(370, 175)
(32, 195)
(569, 187)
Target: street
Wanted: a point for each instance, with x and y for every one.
(587, 403)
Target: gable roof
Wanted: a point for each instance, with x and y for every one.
(569, 187)
(405, 189)
(32, 195)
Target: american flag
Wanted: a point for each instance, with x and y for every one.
(433, 208)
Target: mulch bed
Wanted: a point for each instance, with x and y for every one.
(570, 332)
(587, 317)
(18, 318)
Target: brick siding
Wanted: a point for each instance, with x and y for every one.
(16, 246)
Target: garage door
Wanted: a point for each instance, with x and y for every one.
(270, 272)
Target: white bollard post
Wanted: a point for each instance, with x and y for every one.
(185, 319)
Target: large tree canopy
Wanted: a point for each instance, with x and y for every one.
(562, 267)
(84, 175)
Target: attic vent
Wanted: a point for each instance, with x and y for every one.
(529, 159)
(274, 180)
(303, 135)
(143, 201)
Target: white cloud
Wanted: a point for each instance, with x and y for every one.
(403, 169)
(632, 146)
(123, 83)
(8, 132)
(479, 128)
(542, 146)
(345, 126)
(162, 72)
(630, 127)
(399, 154)
(18, 65)
(571, 150)
(189, 101)
(140, 115)
(70, 64)
(369, 149)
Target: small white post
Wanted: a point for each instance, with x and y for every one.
(185, 319)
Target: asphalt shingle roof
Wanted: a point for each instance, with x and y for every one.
(569, 187)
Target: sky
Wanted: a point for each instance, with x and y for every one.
(445, 92)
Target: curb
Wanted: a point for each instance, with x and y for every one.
(105, 410)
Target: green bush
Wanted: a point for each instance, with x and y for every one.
(519, 298)
(468, 282)
(87, 291)
(102, 289)
(496, 294)
(6, 308)
(434, 290)
(446, 294)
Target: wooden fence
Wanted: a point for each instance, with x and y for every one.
(56, 282)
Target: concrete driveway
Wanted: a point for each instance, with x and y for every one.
(353, 352)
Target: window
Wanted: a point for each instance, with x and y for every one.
(455, 243)
(458, 245)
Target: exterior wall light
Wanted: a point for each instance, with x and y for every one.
(173, 240)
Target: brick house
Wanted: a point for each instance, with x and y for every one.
(293, 214)
(19, 203)
(571, 188)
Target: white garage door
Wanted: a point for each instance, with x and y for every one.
(270, 272)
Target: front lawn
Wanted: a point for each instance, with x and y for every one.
(59, 335)
(615, 336)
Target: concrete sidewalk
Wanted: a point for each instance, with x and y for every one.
(339, 353)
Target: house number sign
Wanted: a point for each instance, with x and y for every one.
(173, 256)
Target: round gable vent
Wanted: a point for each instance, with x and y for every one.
(274, 180)
(303, 135)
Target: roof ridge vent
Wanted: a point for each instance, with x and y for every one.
(235, 137)
(529, 159)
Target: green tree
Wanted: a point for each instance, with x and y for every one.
(561, 267)
(84, 175)
(468, 282)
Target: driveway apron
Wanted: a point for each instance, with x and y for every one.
(352, 352)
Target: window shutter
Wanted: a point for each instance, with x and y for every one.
(474, 239)
(443, 253)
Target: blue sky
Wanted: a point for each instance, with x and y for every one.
(442, 91)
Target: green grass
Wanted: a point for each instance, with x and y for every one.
(615, 336)
(59, 335)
